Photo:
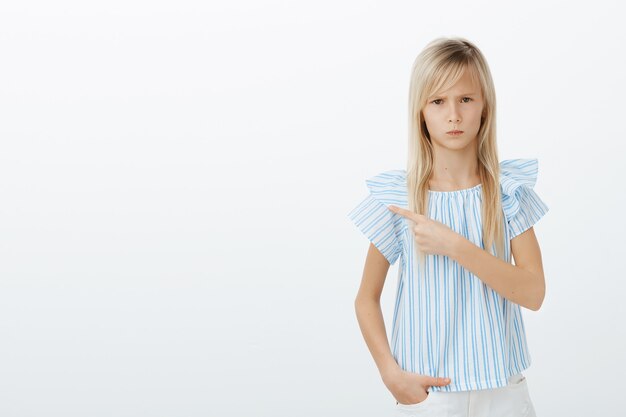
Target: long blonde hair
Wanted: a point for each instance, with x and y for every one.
(438, 67)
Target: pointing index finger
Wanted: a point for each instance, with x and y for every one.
(406, 213)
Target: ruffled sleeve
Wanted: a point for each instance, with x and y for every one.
(372, 217)
(521, 204)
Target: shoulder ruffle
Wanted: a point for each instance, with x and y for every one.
(384, 228)
(516, 175)
(389, 187)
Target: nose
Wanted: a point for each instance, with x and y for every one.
(454, 116)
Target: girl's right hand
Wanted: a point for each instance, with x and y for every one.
(412, 388)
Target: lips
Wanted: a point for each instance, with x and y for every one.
(453, 132)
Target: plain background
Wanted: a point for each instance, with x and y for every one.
(175, 179)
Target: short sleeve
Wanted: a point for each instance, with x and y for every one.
(374, 219)
(521, 204)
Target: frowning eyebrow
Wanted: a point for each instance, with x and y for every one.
(462, 95)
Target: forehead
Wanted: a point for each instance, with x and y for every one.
(467, 84)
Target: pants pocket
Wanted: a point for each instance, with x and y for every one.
(516, 380)
(518, 387)
(408, 408)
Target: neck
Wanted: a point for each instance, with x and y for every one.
(455, 169)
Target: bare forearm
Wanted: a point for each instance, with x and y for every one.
(512, 282)
(371, 322)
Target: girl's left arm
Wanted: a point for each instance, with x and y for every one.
(522, 283)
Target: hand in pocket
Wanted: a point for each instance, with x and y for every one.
(412, 388)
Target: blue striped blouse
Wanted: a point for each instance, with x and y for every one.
(446, 321)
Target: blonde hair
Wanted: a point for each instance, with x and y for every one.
(438, 67)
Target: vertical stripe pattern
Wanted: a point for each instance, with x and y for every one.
(446, 321)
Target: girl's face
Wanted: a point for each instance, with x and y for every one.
(459, 108)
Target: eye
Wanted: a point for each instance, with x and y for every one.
(439, 99)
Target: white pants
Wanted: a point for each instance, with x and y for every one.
(512, 400)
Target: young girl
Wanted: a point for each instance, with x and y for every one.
(458, 343)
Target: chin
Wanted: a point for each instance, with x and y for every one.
(454, 143)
